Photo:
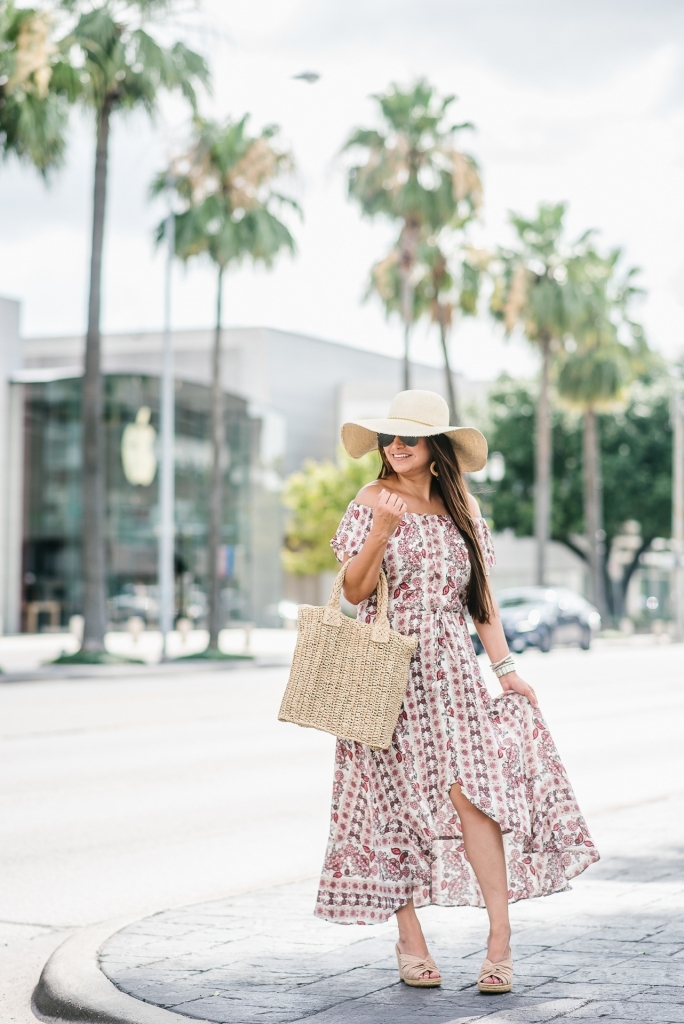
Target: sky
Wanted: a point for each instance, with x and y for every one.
(581, 102)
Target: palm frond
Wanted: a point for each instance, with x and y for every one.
(121, 63)
(33, 117)
(410, 168)
(225, 181)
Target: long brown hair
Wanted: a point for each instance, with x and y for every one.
(451, 488)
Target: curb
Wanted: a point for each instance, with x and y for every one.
(64, 672)
(72, 988)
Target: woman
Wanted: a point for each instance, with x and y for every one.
(470, 804)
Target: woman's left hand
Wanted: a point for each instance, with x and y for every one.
(512, 681)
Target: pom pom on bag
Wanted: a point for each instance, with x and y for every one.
(348, 678)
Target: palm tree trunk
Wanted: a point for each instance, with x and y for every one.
(409, 245)
(218, 462)
(543, 466)
(450, 387)
(94, 501)
(593, 510)
(406, 362)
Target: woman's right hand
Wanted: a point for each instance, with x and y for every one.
(362, 575)
(388, 512)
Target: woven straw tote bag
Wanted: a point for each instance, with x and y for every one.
(348, 678)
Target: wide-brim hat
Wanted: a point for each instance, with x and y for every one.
(417, 414)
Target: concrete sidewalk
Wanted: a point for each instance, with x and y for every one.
(124, 797)
(610, 950)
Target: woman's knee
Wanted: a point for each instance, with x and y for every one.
(463, 805)
(460, 800)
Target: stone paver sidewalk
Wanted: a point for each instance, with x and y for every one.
(610, 950)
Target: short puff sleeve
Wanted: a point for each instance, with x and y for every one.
(352, 531)
(484, 537)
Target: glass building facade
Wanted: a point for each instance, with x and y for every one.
(52, 550)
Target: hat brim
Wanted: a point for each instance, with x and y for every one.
(361, 436)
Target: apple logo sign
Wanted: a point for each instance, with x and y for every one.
(137, 449)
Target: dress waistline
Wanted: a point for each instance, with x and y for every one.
(438, 617)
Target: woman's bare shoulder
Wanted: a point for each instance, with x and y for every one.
(369, 494)
(474, 507)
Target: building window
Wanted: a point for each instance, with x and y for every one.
(52, 577)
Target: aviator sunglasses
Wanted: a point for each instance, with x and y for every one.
(385, 440)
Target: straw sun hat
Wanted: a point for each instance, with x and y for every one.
(417, 414)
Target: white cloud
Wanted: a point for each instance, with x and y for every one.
(608, 142)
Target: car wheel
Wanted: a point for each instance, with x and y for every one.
(545, 641)
(585, 639)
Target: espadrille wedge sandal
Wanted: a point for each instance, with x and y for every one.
(502, 971)
(411, 969)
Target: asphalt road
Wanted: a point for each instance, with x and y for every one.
(131, 795)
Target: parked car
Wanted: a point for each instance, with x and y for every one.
(545, 616)
(135, 599)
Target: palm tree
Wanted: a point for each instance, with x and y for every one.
(387, 281)
(119, 67)
(451, 285)
(225, 185)
(32, 117)
(539, 287)
(593, 378)
(440, 288)
(412, 173)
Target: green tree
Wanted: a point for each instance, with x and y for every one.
(410, 172)
(510, 502)
(636, 456)
(110, 62)
(541, 286)
(225, 184)
(32, 116)
(636, 459)
(318, 496)
(594, 378)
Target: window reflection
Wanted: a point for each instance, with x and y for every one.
(52, 584)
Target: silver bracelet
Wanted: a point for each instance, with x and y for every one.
(503, 667)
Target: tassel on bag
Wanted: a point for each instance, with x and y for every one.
(348, 678)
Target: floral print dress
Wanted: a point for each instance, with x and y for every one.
(394, 833)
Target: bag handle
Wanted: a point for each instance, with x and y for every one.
(332, 616)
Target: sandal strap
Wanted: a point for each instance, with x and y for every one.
(414, 967)
(503, 970)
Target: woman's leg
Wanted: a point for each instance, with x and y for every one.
(411, 938)
(484, 847)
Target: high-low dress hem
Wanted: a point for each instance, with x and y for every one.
(394, 833)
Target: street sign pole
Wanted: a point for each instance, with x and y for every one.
(678, 505)
(167, 463)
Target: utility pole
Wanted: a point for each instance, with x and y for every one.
(678, 504)
(167, 595)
